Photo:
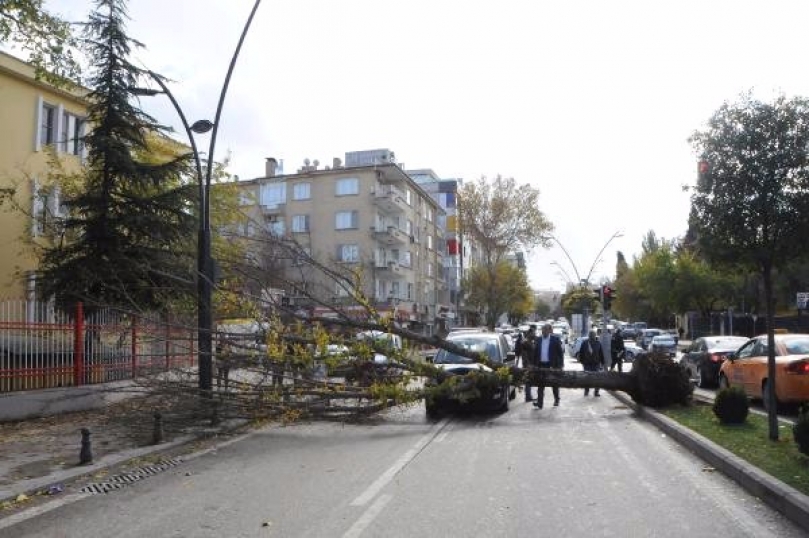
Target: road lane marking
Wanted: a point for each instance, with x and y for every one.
(394, 469)
(368, 517)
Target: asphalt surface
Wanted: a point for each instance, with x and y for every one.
(587, 468)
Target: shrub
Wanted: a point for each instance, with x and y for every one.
(800, 431)
(731, 406)
(660, 381)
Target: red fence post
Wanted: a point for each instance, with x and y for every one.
(78, 345)
(134, 346)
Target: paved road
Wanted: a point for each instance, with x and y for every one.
(587, 468)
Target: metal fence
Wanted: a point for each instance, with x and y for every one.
(41, 348)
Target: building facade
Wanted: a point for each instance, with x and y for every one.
(371, 218)
(38, 122)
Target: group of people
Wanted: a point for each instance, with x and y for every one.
(547, 351)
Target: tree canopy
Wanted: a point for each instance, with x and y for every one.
(126, 228)
(750, 205)
(45, 37)
(499, 217)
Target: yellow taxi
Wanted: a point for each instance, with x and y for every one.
(747, 368)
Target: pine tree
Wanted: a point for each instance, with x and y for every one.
(128, 230)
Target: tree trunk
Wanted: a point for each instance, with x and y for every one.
(625, 382)
(772, 412)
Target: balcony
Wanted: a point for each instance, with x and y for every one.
(274, 209)
(390, 236)
(390, 201)
(388, 270)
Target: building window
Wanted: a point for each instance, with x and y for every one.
(302, 258)
(348, 253)
(273, 194)
(47, 125)
(347, 220)
(405, 259)
(429, 214)
(347, 186)
(429, 269)
(408, 197)
(409, 291)
(429, 241)
(300, 223)
(302, 191)
(276, 227)
(72, 131)
(340, 290)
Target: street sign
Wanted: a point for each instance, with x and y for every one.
(803, 300)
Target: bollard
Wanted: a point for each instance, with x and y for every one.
(157, 433)
(86, 454)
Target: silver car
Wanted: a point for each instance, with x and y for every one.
(663, 343)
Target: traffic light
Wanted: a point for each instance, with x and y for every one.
(607, 295)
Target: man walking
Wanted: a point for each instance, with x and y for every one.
(618, 350)
(591, 356)
(549, 353)
(527, 355)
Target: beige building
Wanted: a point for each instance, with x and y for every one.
(33, 117)
(367, 215)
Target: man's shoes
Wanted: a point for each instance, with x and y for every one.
(529, 399)
(538, 404)
(556, 403)
(597, 394)
(586, 393)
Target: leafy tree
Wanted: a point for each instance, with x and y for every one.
(46, 38)
(542, 309)
(508, 286)
(750, 205)
(126, 230)
(500, 217)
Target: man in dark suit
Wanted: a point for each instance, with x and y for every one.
(548, 353)
(591, 356)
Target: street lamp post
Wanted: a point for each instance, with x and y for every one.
(584, 282)
(205, 267)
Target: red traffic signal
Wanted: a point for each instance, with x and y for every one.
(606, 292)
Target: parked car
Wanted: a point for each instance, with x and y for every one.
(632, 350)
(646, 336)
(747, 368)
(495, 347)
(663, 343)
(576, 346)
(705, 356)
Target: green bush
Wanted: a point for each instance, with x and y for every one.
(800, 431)
(731, 406)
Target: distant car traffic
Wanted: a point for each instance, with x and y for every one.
(494, 346)
(632, 351)
(663, 343)
(747, 368)
(646, 336)
(705, 356)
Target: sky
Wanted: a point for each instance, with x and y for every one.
(591, 102)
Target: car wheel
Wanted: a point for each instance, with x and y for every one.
(506, 398)
(702, 381)
(432, 410)
(765, 396)
(723, 382)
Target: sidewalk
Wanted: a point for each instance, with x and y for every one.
(39, 456)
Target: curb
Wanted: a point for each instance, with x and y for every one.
(33, 486)
(783, 498)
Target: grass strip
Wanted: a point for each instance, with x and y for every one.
(750, 441)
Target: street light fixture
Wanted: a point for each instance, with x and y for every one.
(205, 272)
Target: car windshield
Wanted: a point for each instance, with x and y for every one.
(725, 344)
(474, 344)
(663, 339)
(798, 345)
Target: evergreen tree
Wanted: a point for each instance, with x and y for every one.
(127, 232)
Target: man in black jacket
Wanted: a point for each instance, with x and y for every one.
(591, 357)
(618, 350)
(548, 353)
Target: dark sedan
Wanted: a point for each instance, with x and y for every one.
(705, 356)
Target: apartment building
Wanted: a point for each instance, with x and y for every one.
(366, 214)
(33, 116)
